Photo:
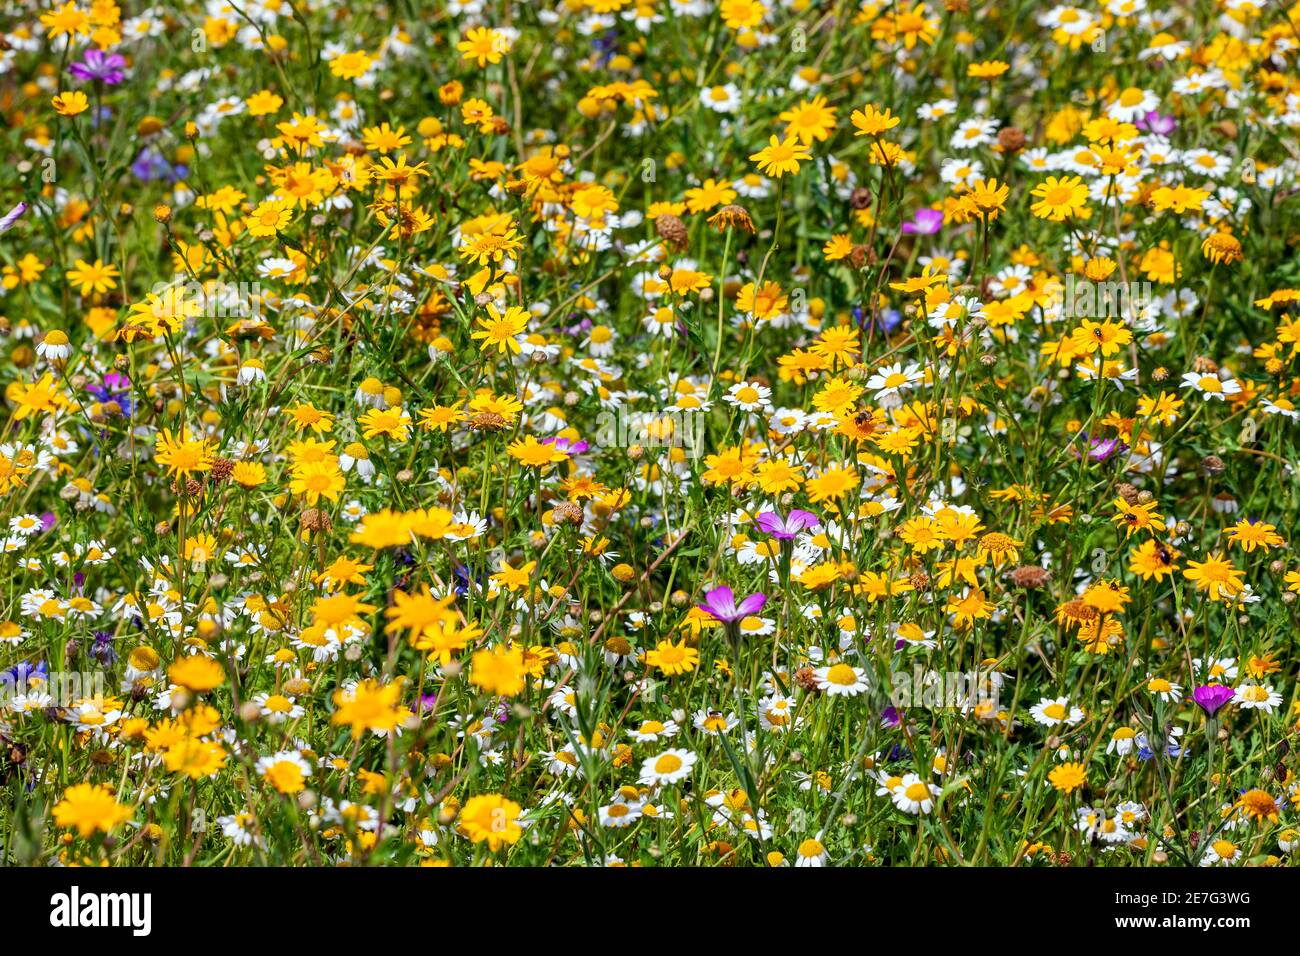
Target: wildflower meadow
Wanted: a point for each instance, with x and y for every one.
(662, 433)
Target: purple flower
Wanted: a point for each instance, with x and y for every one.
(570, 448)
(1101, 449)
(101, 649)
(721, 603)
(1211, 697)
(1160, 124)
(22, 673)
(101, 67)
(924, 222)
(12, 216)
(151, 165)
(116, 387)
(786, 528)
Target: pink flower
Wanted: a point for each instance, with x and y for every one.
(721, 603)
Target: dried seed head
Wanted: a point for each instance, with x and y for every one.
(673, 231)
(1030, 576)
(1011, 139)
(568, 512)
(488, 422)
(732, 217)
(313, 519)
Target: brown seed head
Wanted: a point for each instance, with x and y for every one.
(673, 231)
(1011, 139)
(1030, 576)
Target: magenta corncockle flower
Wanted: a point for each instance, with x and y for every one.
(570, 448)
(106, 68)
(786, 528)
(721, 603)
(1101, 449)
(924, 222)
(1159, 123)
(1211, 697)
(12, 216)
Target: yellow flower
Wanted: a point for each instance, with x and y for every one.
(249, 474)
(498, 670)
(283, 773)
(304, 415)
(263, 103)
(673, 659)
(988, 70)
(1258, 806)
(383, 529)
(1222, 248)
(1059, 198)
(197, 673)
(500, 331)
(440, 417)
(811, 121)
(1214, 576)
(1178, 199)
(1151, 559)
(270, 216)
(316, 479)
(68, 19)
(1068, 777)
(491, 818)
(988, 197)
(391, 422)
(534, 454)
(90, 807)
(43, 396)
(870, 121)
(195, 758)
(484, 45)
(351, 66)
(369, 706)
(742, 14)
(782, 156)
(71, 103)
(97, 277)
